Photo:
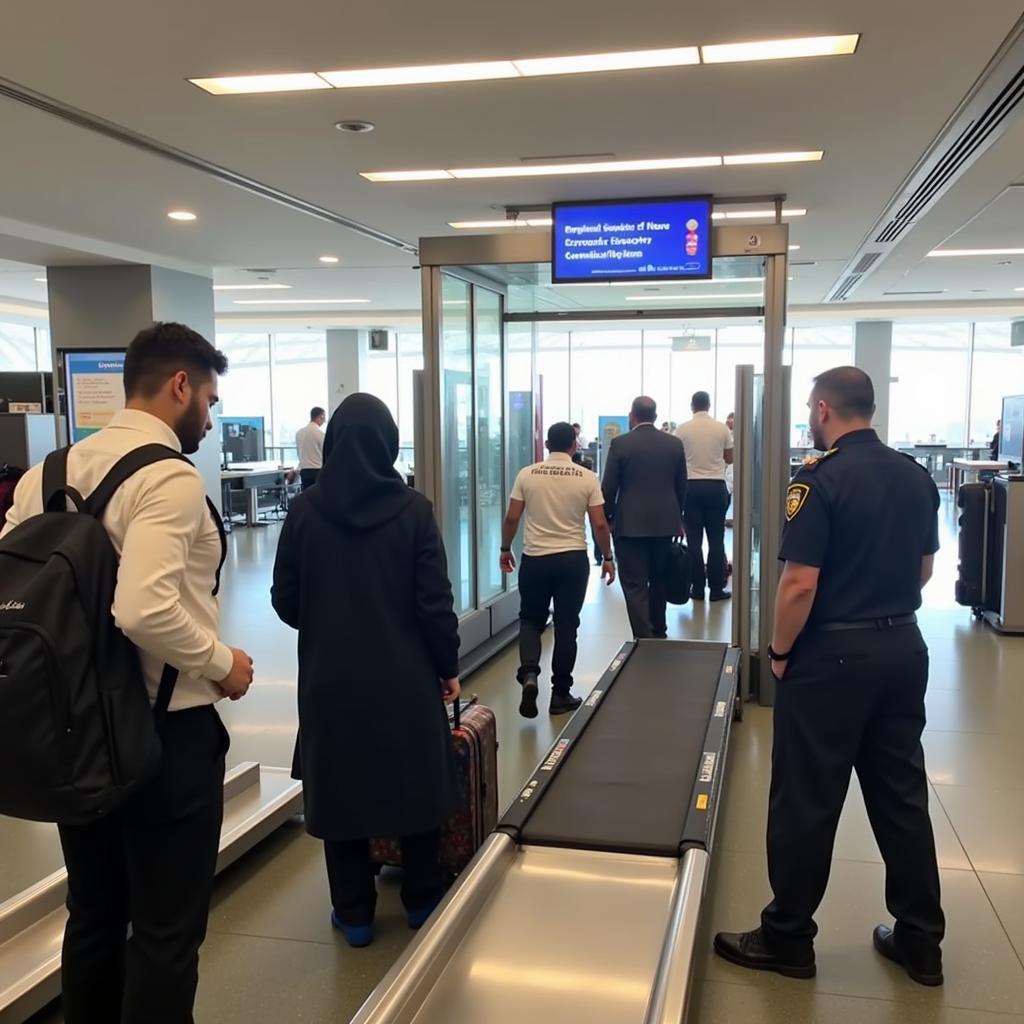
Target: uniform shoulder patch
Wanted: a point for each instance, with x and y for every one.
(795, 498)
(813, 461)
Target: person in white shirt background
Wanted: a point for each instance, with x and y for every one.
(556, 495)
(730, 422)
(150, 864)
(709, 451)
(310, 443)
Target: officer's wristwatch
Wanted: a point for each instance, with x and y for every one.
(773, 655)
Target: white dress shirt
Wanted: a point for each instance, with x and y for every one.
(310, 443)
(169, 549)
(706, 441)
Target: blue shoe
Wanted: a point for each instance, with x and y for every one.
(418, 918)
(357, 936)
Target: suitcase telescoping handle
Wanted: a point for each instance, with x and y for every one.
(457, 707)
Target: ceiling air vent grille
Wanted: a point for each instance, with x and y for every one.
(975, 135)
(866, 262)
(846, 287)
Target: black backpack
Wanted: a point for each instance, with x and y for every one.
(77, 734)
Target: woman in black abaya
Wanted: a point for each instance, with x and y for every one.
(361, 574)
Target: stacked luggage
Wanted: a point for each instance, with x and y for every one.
(973, 584)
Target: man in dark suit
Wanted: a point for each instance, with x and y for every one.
(644, 489)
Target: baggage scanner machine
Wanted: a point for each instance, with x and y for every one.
(583, 904)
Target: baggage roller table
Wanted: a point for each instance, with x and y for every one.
(584, 903)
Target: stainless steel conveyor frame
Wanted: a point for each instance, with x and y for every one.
(547, 933)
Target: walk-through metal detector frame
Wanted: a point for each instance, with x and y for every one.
(465, 255)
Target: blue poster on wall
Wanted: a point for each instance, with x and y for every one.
(94, 385)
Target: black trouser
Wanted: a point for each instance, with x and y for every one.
(350, 873)
(643, 565)
(149, 865)
(852, 700)
(308, 477)
(707, 501)
(545, 579)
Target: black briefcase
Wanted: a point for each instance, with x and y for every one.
(677, 588)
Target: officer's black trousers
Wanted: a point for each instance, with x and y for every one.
(150, 865)
(852, 700)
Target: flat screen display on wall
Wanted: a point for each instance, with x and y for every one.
(94, 390)
(631, 239)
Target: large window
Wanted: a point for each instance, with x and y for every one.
(245, 389)
(928, 394)
(299, 379)
(490, 494)
(737, 346)
(553, 377)
(813, 350)
(605, 375)
(998, 371)
(18, 348)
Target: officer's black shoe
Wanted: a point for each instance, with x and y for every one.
(925, 967)
(563, 703)
(720, 595)
(697, 595)
(528, 701)
(753, 951)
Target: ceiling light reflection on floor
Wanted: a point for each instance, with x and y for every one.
(554, 980)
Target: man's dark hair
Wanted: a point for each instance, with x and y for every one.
(700, 402)
(576, 426)
(157, 353)
(645, 410)
(561, 437)
(316, 412)
(848, 390)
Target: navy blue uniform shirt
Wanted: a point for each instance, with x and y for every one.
(865, 515)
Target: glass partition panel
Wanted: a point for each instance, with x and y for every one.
(553, 377)
(17, 347)
(742, 344)
(757, 513)
(457, 438)
(520, 414)
(299, 382)
(245, 389)
(489, 426)
(998, 371)
(813, 351)
(410, 359)
(605, 375)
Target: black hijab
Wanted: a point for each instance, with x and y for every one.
(359, 486)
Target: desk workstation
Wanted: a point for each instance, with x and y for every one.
(963, 471)
(250, 477)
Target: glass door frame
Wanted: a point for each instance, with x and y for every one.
(460, 254)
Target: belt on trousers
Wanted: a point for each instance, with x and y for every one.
(886, 623)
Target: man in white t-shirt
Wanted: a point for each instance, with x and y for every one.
(557, 497)
(709, 451)
(310, 443)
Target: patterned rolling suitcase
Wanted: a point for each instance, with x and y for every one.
(474, 734)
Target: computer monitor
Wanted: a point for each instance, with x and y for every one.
(242, 438)
(1011, 430)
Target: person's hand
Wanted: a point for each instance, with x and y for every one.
(236, 683)
(608, 572)
(507, 561)
(779, 669)
(450, 690)
(290, 476)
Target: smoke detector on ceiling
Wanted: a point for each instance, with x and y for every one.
(355, 127)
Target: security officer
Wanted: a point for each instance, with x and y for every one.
(860, 536)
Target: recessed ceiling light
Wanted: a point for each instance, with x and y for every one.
(780, 49)
(355, 127)
(691, 296)
(755, 214)
(1005, 263)
(799, 157)
(985, 289)
(41, 280)
(328, 259)
(793, 248)
(528, 222)
(182, 215)
(976, 252)
(240, 84)
(531, 67)
(249, 287)
(299, 302)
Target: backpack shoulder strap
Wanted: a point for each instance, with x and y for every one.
(127, 466)
(55, 483)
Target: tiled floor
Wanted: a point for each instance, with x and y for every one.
(272, 957)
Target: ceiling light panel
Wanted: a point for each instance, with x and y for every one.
(299, 302)
(250, 287)
(755, 214)
(398, 176)
(427, 74)
(182, 215)
(976, 252)
(596, 62)
(472, 225)
(691, 296)
(799, 157)
(780, 49)
(244, 84)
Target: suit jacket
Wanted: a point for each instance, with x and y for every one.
(644, 483)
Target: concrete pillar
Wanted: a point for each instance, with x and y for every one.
(347, 354)
(105, 307)
(872, 352)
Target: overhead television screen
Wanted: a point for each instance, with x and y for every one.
(631, 239)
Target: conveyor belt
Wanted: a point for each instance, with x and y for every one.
(626, 788)
(538, 929)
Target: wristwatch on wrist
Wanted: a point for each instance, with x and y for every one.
(610, 558)
(773, 655)
(505, 551)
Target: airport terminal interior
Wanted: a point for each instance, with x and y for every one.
(497, 218)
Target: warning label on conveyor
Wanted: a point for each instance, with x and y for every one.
(555, 756)
(707, 766)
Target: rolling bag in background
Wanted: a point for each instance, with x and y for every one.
(475, 736)
(974, 501)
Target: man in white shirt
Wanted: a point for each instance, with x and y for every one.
(150, 864)
(709, 451)
(310, 443)
(557, 496)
